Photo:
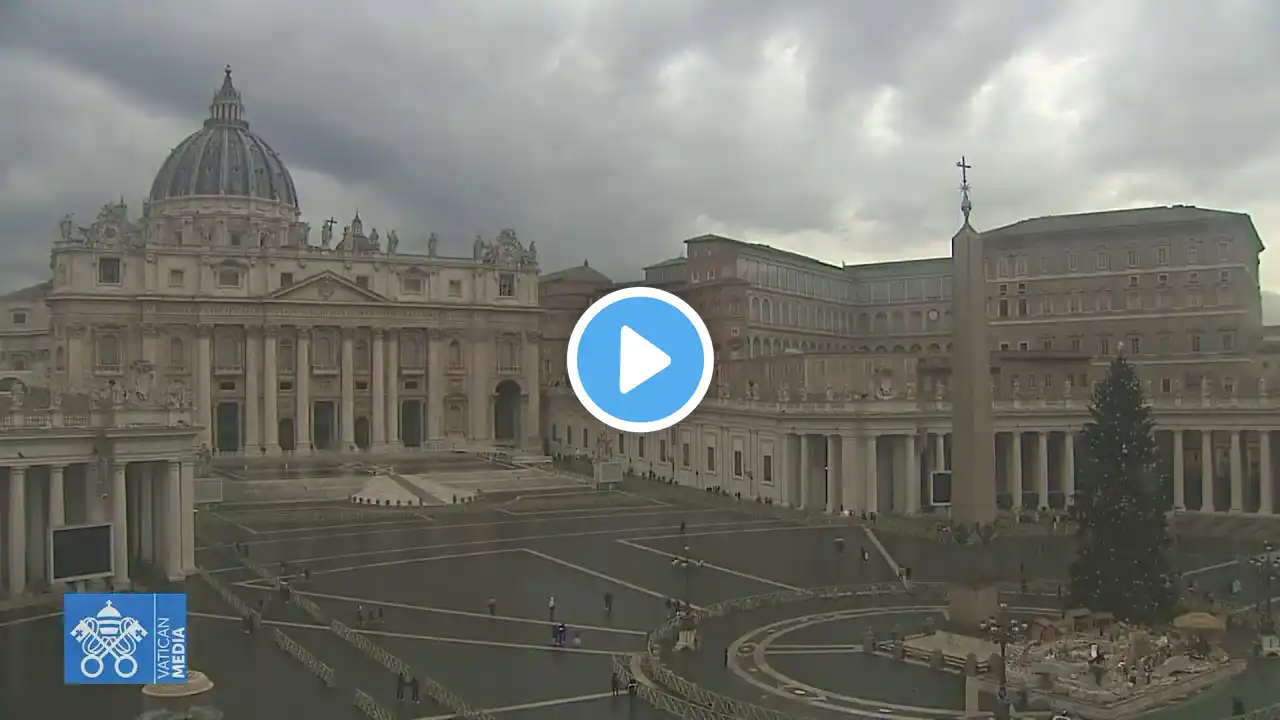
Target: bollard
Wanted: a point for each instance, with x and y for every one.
(971, 665)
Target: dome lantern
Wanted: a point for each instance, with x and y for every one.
(226, 108)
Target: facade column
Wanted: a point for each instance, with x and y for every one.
(531, 368)
(912, 479)
(806, 474)
(119, 527)
(480, 401)
(270, 391)
(873, 474)
(146, 511)
(1069, 468)
(850, 470)
(835, 463)
(17, 530)
(939, 452)
(435, 386)
(1266, 503)
(171, 494)
(57, 496)
(1015, 468)
(252, 391)
(1237, 474)
(393, 389)
(204, 380)
(93, 510)
(187, 491)
(378, 423)
(1206, 471)
(348, 383)
(1042, 470)
(77, 355)
(302, 393)
(1179, 472)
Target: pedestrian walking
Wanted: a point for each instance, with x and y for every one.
(413, 690)
(551, 608)
(614, 683)
(608, 603)
(401, 684)
(493, 606)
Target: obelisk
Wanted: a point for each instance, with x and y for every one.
(973, 598)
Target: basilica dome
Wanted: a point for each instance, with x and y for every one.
(225, 158)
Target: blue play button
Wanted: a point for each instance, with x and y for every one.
(640, 360)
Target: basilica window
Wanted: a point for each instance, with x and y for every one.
(411, 284)
(285, 356)
(229, 277)
(411, 351)
(508, 356)
(18, 363)
(177, 353)
(110, 356)
(506, 285)
(109, 271)
(176, 278)
(362, 356)
(19, 317)
(455, 355)
(455, 288)
(226, 352)
(322, 354)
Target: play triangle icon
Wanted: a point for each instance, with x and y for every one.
(639, 361)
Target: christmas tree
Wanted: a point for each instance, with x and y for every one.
(1121, 564)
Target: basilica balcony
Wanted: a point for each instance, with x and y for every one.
(325, 368)
(109, 369)
(412, 368)
(228, 367)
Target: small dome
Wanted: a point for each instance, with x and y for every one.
(224, 158)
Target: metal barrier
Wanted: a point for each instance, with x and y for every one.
(370, 707)
(208, 490)
(304, 656)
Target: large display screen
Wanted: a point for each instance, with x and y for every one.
(81, 552)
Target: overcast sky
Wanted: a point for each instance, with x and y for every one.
(612, 130)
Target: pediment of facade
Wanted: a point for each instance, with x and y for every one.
(328, 287)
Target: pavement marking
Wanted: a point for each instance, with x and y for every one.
(459, 613)
(232, 523)
(602, 576)
(1210, 568)
(569, 513)
(388, 563)
(802, 647)
(31, 619)
(416, 520)
(718, 568)
(554, 702)
(467, 543)
(410, 636)
(321, 534)
(775, 527)
(831, 650)
(884, 553)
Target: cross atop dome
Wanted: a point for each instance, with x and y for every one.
(226, 108)
(966, 206)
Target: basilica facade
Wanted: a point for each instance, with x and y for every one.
(221, 298)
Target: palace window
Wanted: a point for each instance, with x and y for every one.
(766, 469)
(662, 450)
(455, 360)
(177, 353)
(508, 356)
(1133, 258)
(177, 278)
(711, 459)
(1103, 261)
(1162, 255)
(18, 363)
(506, 285)
(19, 317)
(411, 284)
(684, 455)
(622, 443)
(1073, 261)
(1193, 254)
(109, 354)
(455, 288)
(1228, 341)
(109, 271)
(737, 463)
(229, 278)
(362, 281)
(1196, 342)
(286, 279)
(1224, 251)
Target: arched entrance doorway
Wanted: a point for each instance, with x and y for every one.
(324, 424)
(411, 430)
(506, 411)
(285, 433)
(226, 427)
(362, 432)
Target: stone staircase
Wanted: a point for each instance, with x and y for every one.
(387, 490)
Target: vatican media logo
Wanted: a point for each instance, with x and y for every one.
(124, 638)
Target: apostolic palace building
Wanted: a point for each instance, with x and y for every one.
(218, 320)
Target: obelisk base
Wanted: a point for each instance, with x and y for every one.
(971, 605)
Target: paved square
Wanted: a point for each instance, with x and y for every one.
(431, 574)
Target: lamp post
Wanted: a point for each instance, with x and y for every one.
(1004, 630)
(1268, 567)
(685, 565)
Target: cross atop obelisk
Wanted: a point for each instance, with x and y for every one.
(965, 205)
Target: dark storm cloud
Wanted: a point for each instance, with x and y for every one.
(615, 129)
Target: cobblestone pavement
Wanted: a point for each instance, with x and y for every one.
(432, 573)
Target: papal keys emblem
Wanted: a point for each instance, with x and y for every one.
(108, 635)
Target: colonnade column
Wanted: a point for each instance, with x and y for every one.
(435, 386)
(147, 530)
(204, 378)
(1015, 468)
(1179, 472)
(1206, 471)
(1237, 479)
(835, 463)
(531, 363)
(348, 383)
(392, 410)
(1042, 470)
(17, 528)
(1068, 468)
(806, 474)
(939, 452)
(252, 390)
(378, 423)
(1265, 482)
(187, 511)
(873, 474)
(302, 393)
(119, 527)
(854, 501)
(912, 470)
(171, 494)
(271, 391)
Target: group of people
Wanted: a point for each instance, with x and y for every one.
(410, 685)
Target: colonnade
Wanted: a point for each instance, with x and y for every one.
(149, 504)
